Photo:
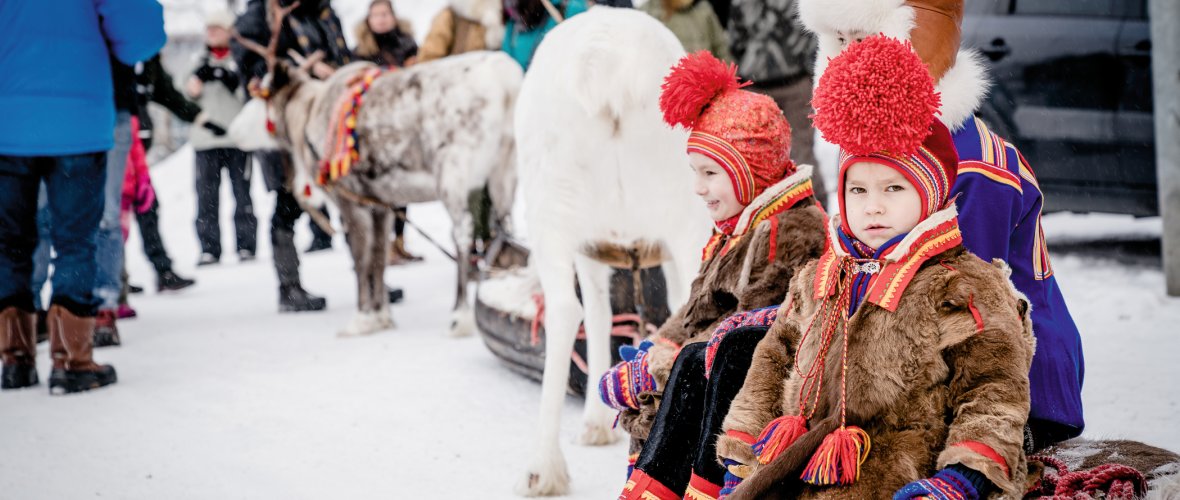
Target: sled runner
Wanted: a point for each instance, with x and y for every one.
(506, 313)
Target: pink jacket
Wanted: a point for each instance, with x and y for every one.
(138, 193)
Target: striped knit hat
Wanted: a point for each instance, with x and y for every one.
(876, 100)
(742, 131)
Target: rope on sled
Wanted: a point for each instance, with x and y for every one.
(1117, 481)
(622, 325)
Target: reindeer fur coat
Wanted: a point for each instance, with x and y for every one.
(922, 380)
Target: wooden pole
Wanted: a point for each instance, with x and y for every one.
(1165, 62)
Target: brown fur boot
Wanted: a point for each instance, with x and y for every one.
(72, 349)
(398, 254)
(18, 348)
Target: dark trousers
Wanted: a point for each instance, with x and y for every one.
(153, 244)
(282, 237)
(318, 232)
(683, 438)
(74, 185)
(209, 166)
(273, 165)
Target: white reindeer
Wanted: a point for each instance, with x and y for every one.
(600, 172)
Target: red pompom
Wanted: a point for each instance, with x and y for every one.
(694, 82)
(877, 95)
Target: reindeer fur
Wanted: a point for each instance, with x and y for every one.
(434, 131)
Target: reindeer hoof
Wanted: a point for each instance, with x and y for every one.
(462, 323)
(550, 480)
(362, 324)
(597, 435)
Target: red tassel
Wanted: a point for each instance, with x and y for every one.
(779, 435)
(838, 459)
(270, 126)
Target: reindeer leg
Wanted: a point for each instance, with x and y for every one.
(547, 473)
(594, 280)
(378, 248)
(358, 221)
(682, 259)
(462, 316)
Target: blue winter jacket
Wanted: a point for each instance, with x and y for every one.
(521, 44)
(56, 96)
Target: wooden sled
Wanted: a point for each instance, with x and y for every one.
(510, 329)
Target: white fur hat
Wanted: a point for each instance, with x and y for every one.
(222, 18)
(931, 25)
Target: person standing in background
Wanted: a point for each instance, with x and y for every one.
(311, 26)
(218, 89)
(694, 23)
(464, 26)
(772, 50)
(59, 127)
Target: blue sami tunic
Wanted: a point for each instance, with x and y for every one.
(1000, 216)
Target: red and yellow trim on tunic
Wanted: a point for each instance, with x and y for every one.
(1042, 267)
(995, 151)
(790, 197)
(700, 488)
(992, 172)
(641, 486)
(886, 290)
(722, 152)
(887, 287)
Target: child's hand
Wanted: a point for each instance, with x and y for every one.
(194, 87)
(621, 385)
(947, 484)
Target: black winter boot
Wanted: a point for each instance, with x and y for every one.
(294, 298)
(169, 281)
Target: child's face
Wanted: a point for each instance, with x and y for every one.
(381, 19)
(880, 203)
(216, 36)
(712, 184)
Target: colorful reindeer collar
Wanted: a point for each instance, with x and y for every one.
(893, 273)
(342, 149)
(774, 200)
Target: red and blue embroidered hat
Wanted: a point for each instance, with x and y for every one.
(877, 102)
(742, 131)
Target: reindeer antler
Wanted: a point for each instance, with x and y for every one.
(306, 63)
(269, 53)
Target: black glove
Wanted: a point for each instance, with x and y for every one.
(217, 130)
(207, 73)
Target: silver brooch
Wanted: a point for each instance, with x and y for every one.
(867, 267)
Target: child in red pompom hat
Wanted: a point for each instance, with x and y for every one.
(768, 224)
(898, 366)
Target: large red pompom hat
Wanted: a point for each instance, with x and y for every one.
(742, 131)
(876, 100)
